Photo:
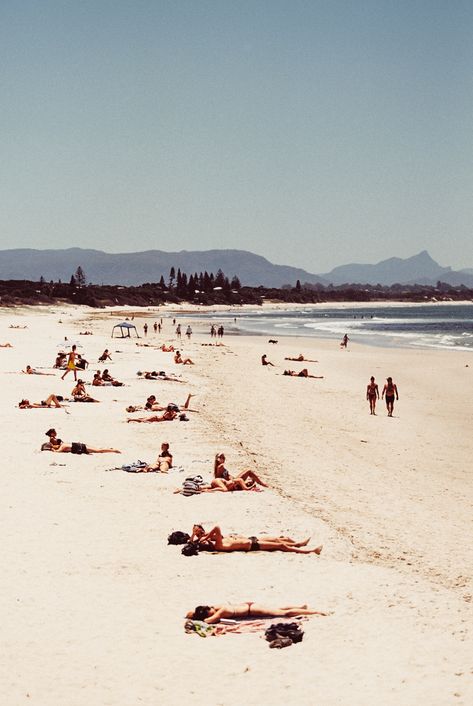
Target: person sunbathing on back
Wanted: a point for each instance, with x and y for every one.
(215, 541)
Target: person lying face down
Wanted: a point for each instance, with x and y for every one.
(215, 541)
(213, 614)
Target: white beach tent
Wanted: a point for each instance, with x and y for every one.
(125, 328)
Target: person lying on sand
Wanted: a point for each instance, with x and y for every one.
(213, 614)
(215, 541)
(51, 401)
(6, 345)
(80, 395)
(179, 359)
(304, 373)
(167, 349)
(224, 481)
(58, 446)
(154, 375)
(85, 333)
(12, 326)
(152, 405)
(301, 358)
(168, 415)
(31, 371)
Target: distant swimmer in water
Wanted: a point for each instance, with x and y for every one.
(372, 394)
(389, 392)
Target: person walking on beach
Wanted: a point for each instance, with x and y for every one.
(155, 326)
(71, 363)
(178, 330)
(372, 393)
(189, 332)
(344, 343)
(145, 329)
(390, 391)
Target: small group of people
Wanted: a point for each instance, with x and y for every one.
(105, 379)
(389, 393)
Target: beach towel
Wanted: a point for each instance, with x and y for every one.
(134, 466)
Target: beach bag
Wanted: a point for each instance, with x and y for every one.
(191, 486)
(190, 549)
(178, 538)
(280, 631)
(134, 467)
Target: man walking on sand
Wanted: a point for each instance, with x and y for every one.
(390, 390)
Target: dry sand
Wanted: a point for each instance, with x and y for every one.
(92, 598)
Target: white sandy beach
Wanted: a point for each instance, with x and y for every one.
(92, 598)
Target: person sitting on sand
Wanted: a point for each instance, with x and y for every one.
(372, 393)
(249, 609)
(51, 401)
(224, 481)
(304, 373)
(81, 362)
(168, 415)
(31, 371)
(60, 360)
(80, 395)
(179, 359)
(105, 356)
(58, 446)
(390, 390)
(164, 461)
(215, 541)
(301, 358)
(99, 381)
(265, 361)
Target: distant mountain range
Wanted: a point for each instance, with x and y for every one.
(252, 270)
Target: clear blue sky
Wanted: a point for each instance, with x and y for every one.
(315, 133)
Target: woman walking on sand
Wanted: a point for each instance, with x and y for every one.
(71, 363)
(390, 390)
(372, 393)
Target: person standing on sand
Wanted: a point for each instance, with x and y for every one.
(344, 343)
(145, 329)
(372, 393)
(390, 390)
(71, 363)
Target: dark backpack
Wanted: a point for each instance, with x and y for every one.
(189, 549)
(282, 630)
(178, 538)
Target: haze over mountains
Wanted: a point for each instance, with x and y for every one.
(253, 270)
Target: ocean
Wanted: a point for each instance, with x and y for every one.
(446, 326)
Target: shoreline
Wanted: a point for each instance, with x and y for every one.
(390, 499)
